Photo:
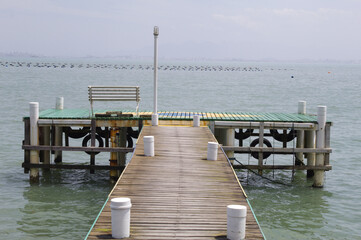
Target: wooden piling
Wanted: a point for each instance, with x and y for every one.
(320, 143)
(34, 140)
(260, 154)
(311, 157)
(226, 136)
(26, 142)
(113, 155)
(46, 142)
(121, 142)
(300, 135)
(58, 156)
(92, 144)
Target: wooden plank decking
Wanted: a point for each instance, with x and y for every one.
(177, 194)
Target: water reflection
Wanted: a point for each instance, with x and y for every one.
(289, 208)
(64, 204)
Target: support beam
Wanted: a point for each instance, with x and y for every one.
(72, 166)
(78, 149)
(284, 167)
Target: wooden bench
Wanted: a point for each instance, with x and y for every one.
(106, 93)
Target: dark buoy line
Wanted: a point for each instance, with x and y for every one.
(189, 68)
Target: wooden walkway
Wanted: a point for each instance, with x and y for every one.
(177, 194)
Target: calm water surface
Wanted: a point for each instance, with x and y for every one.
(66, 202)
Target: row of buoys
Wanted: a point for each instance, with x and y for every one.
(130, 67)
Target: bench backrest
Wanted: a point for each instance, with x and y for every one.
(109, 93)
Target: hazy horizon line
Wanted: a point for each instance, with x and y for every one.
(138, 57)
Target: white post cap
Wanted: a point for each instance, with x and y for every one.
(120, 203)
(236, 211)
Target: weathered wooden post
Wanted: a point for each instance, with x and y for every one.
(113, 155)
(34, 140)
(58, 132)
(46, 142)
(320, 143)
(300, 134)
(121, 142)
(26, 142)
(260, 144)
(92, 143)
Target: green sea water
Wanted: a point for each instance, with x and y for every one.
(65, 202)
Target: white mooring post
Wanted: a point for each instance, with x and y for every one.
(155, 112)
(301, 133)
(148, 146)
(120, 215)
(196, 120)
(320, 143)
(59, 105)
(34, 139)
(212, 151)
(236, 222)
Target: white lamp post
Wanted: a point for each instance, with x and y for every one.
(155, 112)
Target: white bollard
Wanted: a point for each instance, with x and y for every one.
(212, 151)
(196, 120)
(59, 105)
(120, 215)
(34, 139)
(236, 222)
(148, 146)
(301, 107)
(154, 119)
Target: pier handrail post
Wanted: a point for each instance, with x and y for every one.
(155, 112)
(59, 105)
(34, 139)
(300, 133)
(320, 143)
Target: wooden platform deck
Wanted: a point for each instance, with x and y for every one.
(177, 194)
(180, 115)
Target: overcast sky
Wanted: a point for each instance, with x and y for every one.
(248, 29)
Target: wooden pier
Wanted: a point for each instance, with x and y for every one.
(115, 130)
(177, 194)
